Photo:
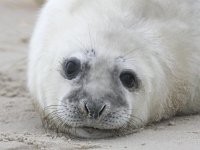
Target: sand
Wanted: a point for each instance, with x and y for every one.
(20, 125)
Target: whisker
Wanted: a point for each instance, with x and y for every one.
(82, 46)
(49, 106)
(130, 52)
(55, 111)
(91, 43)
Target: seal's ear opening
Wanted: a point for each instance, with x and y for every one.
(72, 68)
(129, 79)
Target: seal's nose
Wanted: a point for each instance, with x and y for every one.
(94, 111)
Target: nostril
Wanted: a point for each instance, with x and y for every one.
(94, 111)
(87, 109)
(102, 110)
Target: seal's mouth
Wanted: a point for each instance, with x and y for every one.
(91, 129)
(94, 128)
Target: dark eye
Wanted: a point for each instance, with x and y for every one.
(72, 68)
(129, 79)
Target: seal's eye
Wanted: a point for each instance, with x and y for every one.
(129, 79)
(72, 68)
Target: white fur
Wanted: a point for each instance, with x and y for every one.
(161, 40)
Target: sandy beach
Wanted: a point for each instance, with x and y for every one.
(20, 125)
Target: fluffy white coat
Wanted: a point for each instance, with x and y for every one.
(160, 39)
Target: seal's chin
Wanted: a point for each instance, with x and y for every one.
(93, 133)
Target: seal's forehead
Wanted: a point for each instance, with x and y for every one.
(95, 66)
(103, 63)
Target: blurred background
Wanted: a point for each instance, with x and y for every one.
(39, 1)
(17, 115)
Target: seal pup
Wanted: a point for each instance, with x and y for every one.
(100, 68)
